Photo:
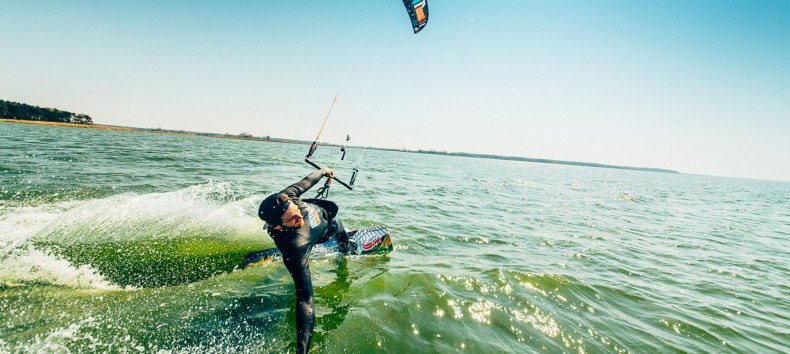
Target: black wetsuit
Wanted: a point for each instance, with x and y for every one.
(296, 244)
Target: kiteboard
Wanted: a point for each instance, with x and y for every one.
(366, 241)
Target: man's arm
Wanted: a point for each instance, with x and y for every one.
(299, 267)
(295, 190)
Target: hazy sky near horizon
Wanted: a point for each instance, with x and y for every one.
(698, 86)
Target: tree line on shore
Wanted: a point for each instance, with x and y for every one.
(16, 110)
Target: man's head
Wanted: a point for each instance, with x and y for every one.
(279, 211)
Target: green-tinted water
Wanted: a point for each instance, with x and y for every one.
(126, 242)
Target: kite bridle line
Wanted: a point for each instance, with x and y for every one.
(356, 168)
(314, 145)
(323, 192)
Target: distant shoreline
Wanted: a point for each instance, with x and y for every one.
(291, 141)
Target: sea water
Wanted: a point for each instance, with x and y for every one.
(127, 242)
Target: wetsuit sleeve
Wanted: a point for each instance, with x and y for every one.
(296, 189)
(298, 264)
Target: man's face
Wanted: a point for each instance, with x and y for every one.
(292, 217)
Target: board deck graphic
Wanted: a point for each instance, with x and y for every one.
(369, 240)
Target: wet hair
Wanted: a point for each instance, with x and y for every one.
(273, 207)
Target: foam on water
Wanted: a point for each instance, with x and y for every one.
(131, 217)
(21, 262)
(29, 235)
(34, 266)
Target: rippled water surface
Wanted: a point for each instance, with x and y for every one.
(129, 242)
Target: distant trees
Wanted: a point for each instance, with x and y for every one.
(15, 110)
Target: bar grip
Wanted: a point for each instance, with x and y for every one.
(335, 178)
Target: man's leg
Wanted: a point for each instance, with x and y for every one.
(342, 235)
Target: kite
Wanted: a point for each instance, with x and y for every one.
(418, 12)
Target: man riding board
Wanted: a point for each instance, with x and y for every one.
(296, 226)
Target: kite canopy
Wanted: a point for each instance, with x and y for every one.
(418, 12)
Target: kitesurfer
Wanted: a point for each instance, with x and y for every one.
(296, 226)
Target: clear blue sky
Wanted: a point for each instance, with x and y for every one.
(700, 86)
